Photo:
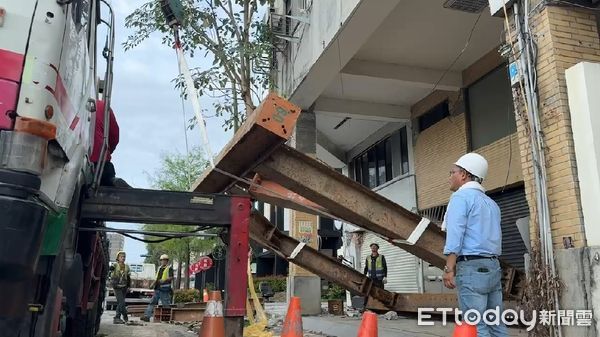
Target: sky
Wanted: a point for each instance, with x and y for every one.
(149, 111)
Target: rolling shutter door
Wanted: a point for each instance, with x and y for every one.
(402, 266)
(513, 206)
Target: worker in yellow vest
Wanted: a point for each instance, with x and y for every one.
(162, 287)
(120, 278)
(376, 267)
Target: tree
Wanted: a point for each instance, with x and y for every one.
(177, 173)
(228, 32)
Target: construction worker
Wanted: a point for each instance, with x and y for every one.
(473, 244)
(108, 177)
(162, 287)
(376, 267)
(121, 282)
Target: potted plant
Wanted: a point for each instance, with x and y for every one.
(182, 296)
(335, 299)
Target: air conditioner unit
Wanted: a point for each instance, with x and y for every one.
(470, 6)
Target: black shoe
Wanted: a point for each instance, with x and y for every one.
(145, 319)
(117, 320)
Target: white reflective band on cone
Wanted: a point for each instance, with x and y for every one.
(214, 309)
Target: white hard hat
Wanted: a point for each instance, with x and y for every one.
(473, 163)
(164, 257)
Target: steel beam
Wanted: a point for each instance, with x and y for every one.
(237, 258)
(152, 206)
(275, 194)
(351, 201)
(269, 126)
(267, 235)
(187, 314)
(414, 302)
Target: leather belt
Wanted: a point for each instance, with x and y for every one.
(474, 257)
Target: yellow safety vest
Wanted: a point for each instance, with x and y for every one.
(378, 266)
(164, 277)
(120, 276)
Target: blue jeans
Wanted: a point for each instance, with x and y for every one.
(165, 300)
(480, 288)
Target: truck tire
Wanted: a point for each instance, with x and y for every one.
(83, 325)
(103, 281)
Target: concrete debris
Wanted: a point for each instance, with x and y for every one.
(191, 326)
(391, 315)
(136, 323)
(311, 333)
(351, 312)
(275, 320)
(195, 327)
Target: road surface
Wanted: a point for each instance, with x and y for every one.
(140, 329)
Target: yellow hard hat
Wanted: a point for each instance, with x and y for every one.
(164, 257)
(119, 253)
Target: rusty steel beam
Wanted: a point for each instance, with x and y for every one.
(414, 302)
(275, 194)
(355, 203)
(187, 314)
(267, 235)
(269, 126)
(351, 201)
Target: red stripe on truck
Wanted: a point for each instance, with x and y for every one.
(8, 103)
(11, 65)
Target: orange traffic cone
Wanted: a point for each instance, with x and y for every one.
(205, 296)
(213, 323)
(368, 326)
(292, 326)
(465, 329)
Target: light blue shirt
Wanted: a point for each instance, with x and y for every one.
(473, 224)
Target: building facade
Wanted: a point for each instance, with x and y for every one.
(402, 88)
(116, 243)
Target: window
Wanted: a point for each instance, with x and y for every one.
(436, 114)
(277, 216)
(383, 161)
(136, 268)
(490, 108)
(404, 151)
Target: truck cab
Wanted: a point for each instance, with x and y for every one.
(48, 90)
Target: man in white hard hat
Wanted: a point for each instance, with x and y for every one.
(162, 287)
(473, 244)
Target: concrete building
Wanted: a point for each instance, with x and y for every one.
(399, 89)
(116, 243)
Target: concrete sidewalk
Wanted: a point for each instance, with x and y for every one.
(402, 327)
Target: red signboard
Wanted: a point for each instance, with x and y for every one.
(204, 263)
